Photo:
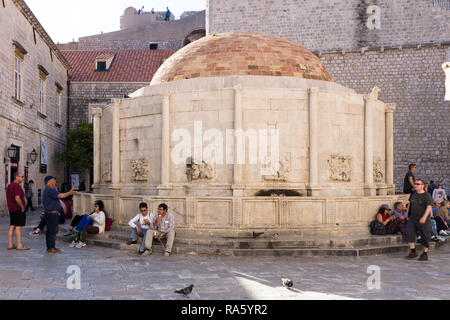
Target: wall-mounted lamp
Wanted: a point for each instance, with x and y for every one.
(14, 153)
(32, 157)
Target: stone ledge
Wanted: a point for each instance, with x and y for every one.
(43, 116)
(18, 102)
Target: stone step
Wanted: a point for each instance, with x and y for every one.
(264, 243)
(189, 248)
(221, 233)
(113, 244)
(265, 247)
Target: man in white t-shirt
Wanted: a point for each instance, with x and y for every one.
(140, 224)
(439, 193)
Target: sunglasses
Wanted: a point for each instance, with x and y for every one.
(418, 184)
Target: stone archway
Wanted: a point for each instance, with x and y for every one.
(193, 36)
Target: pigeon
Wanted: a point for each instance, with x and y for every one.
(287, 283)
(257, 234)
(186, 291)
(276, 235)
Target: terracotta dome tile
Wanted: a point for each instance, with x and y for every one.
(237, 53)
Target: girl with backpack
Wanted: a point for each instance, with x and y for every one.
(92, 224)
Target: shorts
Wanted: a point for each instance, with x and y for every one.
(17, 218)
(424, 230)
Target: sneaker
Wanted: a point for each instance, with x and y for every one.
(443, 233)
(166, 254)
(54, 251)
(131, 241)
(434, 238)
(423, 257)
(73, 244)
(81, 245)
(35, 233)
(147, 252)
(411, 255)
(440, 238)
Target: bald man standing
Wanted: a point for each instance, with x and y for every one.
(15, 198)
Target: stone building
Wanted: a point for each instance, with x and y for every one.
(97, 77)
(146, 31)
(398, 45)
(33, 99)
(134, 53)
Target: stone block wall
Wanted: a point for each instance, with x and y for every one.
(312, 216)
(82, 94)
(413, 79)
(20, 122)
(168, 35)
(332, 24)
(398, 61)
(128, 44)
(131, 18)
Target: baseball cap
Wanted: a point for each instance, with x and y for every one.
(386, 207)
(48, 178)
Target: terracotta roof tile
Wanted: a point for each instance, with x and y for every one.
(128, 65)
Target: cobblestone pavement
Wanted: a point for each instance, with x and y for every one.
(111, 274)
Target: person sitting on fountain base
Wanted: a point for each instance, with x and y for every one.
(140, 224)
(392, 224)
(163, 225)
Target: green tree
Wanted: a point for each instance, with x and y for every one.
(79, 150)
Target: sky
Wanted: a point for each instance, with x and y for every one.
(65, 20)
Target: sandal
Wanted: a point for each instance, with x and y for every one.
(14, 247)
(23, 249)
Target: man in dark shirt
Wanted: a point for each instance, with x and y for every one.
(29, 195)
(408, 182)
(15, 199)
(419, 220)
(52, 206)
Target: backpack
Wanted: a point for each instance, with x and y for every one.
(69, 209)
(377, 228)
(108, 224)
(84, 222)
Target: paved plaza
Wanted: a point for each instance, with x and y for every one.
(112, 274)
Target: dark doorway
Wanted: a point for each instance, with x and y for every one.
(14, 169)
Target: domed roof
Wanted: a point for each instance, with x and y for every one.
(237, 53)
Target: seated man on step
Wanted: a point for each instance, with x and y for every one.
(162, 225)
(140, 224)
